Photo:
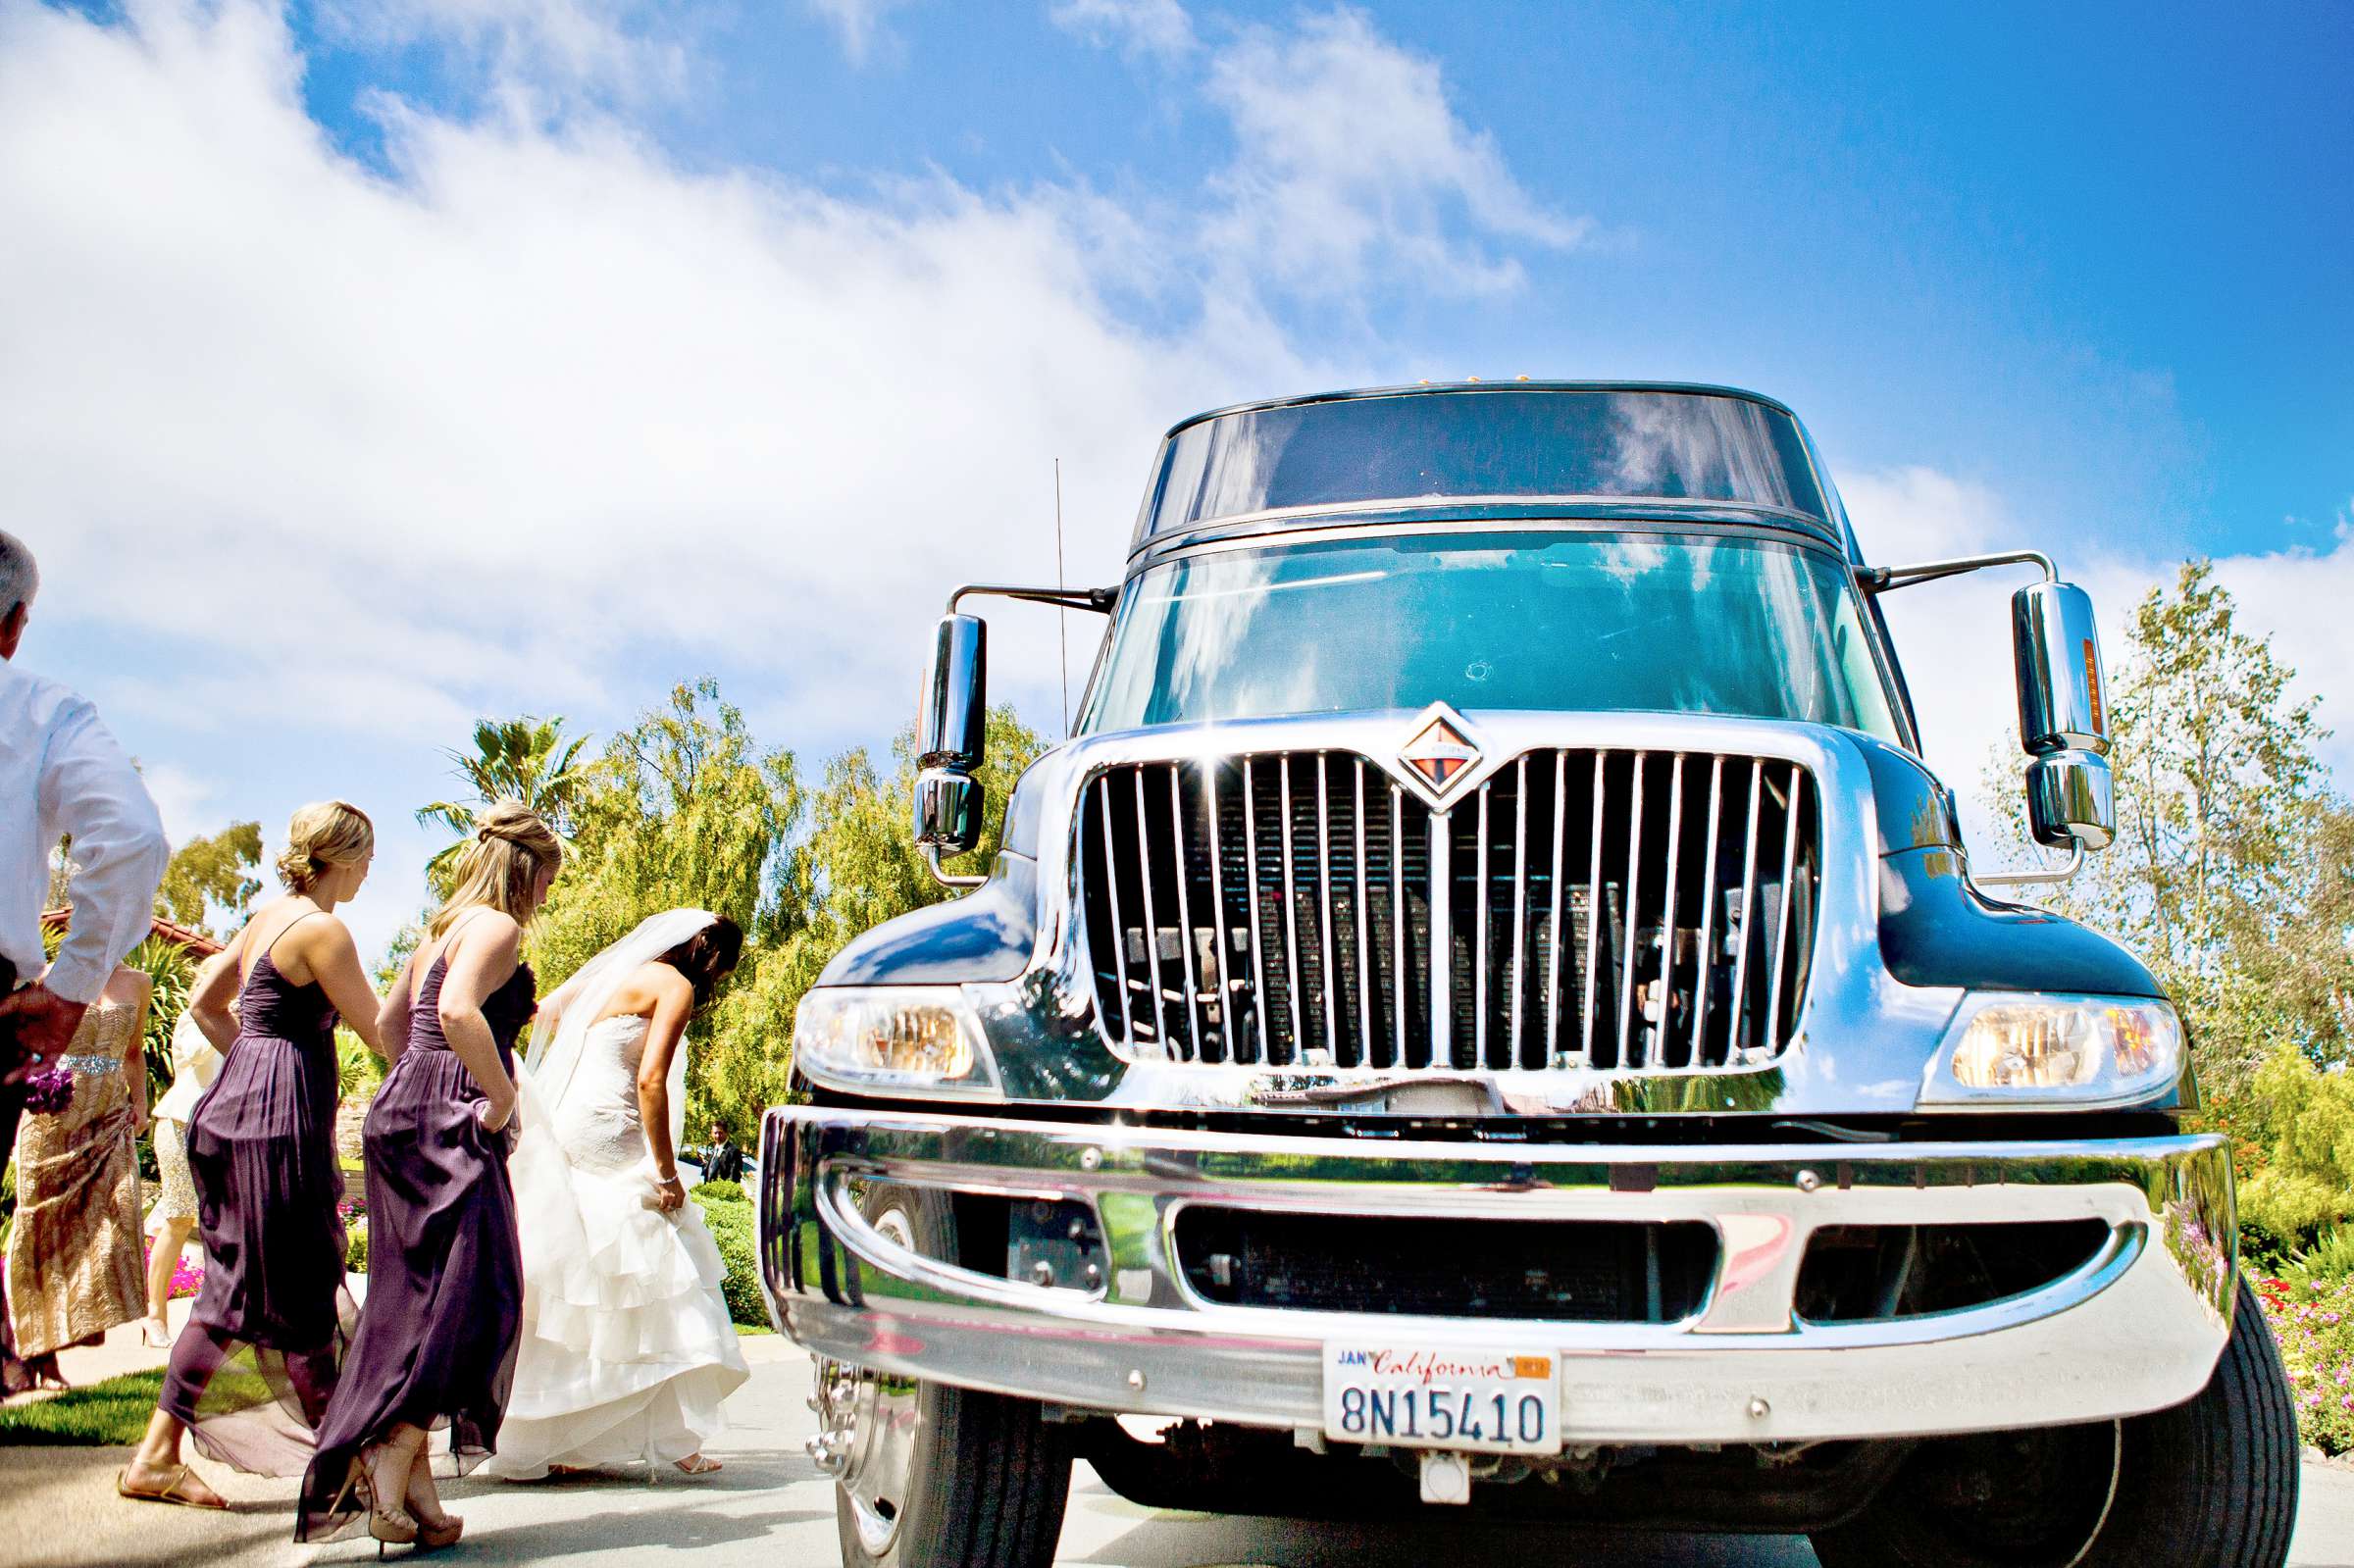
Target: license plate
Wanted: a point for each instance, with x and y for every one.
(1430, 1396)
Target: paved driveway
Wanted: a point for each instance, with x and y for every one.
(771, 1509)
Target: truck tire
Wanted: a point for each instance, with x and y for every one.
(929, 1476)
(2213, 1481)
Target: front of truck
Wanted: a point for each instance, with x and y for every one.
(1491, 994)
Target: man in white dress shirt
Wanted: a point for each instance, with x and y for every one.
(60, 773)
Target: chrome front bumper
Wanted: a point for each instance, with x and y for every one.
(2137, 1327)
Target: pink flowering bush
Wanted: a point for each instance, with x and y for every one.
(2313, 1318)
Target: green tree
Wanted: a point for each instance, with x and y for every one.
(686, 807)
(208, 872)
(2230, 873)
(686, 810)
(526, 759)
(2301, 1123)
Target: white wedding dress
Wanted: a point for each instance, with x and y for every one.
(627, 1348)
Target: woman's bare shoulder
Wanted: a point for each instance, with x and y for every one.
(646, 987)
(492, 934)
(664, 980)
(264, 923)
(318, 940)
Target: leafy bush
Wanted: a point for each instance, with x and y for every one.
(355, 1247)
(2313, 1318)
(358, 1070)
(2282, 1212)
(2330, 1258)
(721, 1191)
(173, 973)
(737, 1232)
(2299, 1121)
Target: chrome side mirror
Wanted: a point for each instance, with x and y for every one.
(951, 724)
(2057, 645)
(2070, 800)
(947, 811)
(950, 737)
(2063, 717)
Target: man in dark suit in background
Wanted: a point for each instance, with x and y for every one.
(721, 1159)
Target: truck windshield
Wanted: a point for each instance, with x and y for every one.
(1679, 623)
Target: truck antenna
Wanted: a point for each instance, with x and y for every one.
(1062, 618)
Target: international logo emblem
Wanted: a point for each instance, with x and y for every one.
(1440, 752)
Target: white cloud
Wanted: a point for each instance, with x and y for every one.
(1350, 161)
(539, 53)
(1954, 636)
(489, 430)
(1918, 513)
(182, 799)
(858, 23)
(1351, 170)
(1158, 28)
(544, 401)
(531, 419)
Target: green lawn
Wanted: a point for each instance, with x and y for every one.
(112, 1413)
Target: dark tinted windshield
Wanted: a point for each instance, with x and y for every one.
(1619, 445)
(1535, 620)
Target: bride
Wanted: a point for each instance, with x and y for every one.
(627, 1348)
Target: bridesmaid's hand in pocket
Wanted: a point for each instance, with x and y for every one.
(498, 1120)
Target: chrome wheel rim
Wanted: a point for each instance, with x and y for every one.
(869, 1425)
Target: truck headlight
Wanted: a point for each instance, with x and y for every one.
(924, 1039)
(2025, 1051)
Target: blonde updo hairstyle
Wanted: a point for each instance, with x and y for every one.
(323, 833)
(512, 845)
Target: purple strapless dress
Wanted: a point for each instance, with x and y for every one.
(252, 1371)
(439, 1328)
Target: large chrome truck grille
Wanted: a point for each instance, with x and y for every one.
(1644, 911)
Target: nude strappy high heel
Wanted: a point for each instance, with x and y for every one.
(395, 1529)
(433, 1538)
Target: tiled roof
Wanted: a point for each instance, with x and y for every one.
(195, 942)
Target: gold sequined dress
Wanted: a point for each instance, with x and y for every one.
(73, 1264)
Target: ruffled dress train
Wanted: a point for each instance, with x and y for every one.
(626, 1349)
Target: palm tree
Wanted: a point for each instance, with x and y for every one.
(526, 759)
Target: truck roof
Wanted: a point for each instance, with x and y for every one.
(1518, 383)
(1467, 449)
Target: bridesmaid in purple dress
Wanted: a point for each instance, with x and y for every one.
(261, 1149)
(437, 1339)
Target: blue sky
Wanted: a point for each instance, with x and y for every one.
(376, 364)
(2109, 263)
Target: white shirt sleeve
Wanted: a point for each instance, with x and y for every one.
(88, 788)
